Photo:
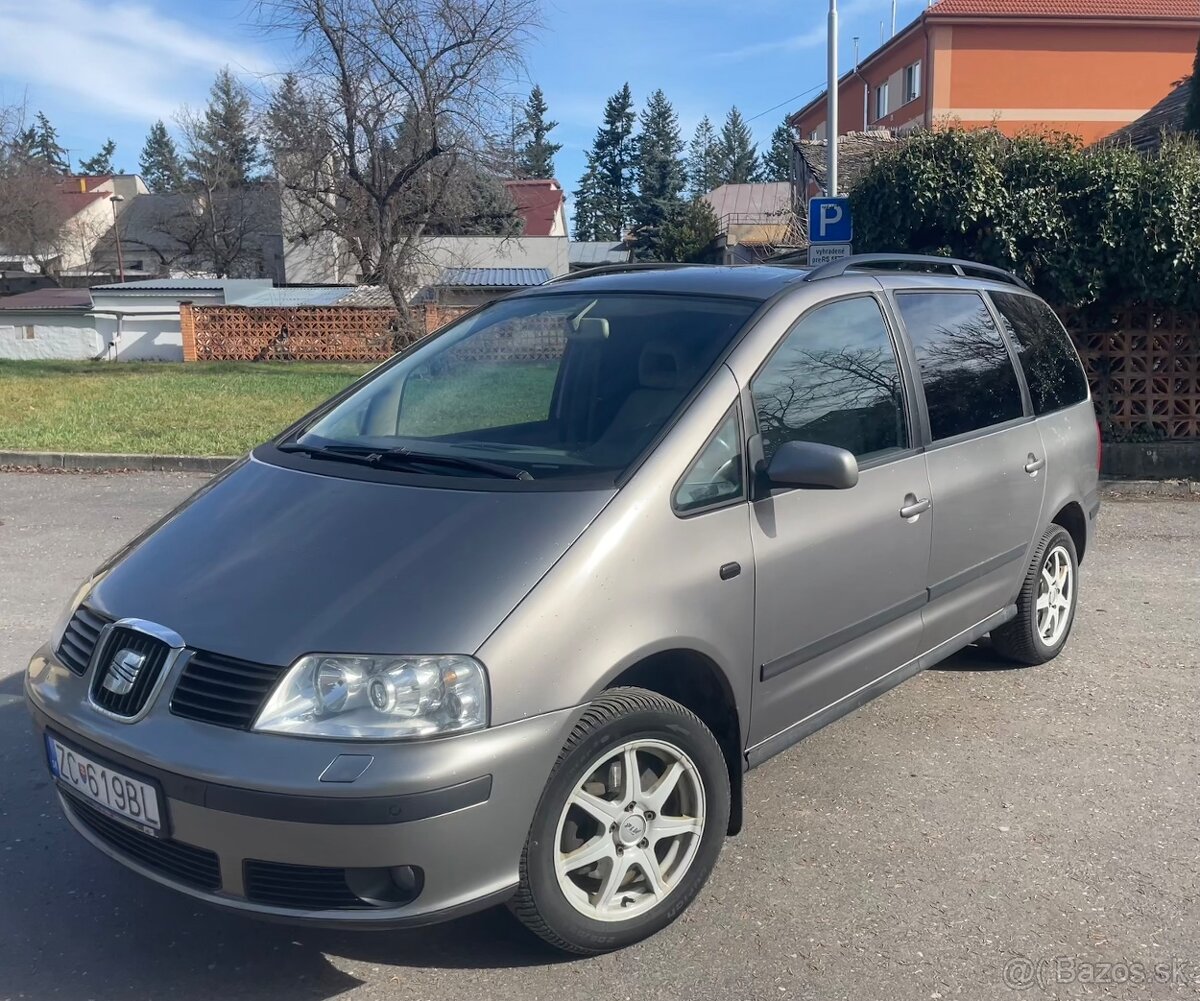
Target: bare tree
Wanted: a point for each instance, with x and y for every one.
(33, 213)
(401, 95)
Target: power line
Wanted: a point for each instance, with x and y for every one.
(789, 100)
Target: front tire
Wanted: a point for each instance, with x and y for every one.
(628, 828)
(1046, 605)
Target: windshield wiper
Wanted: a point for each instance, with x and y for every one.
(403, 456)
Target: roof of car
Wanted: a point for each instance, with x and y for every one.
(746, 282)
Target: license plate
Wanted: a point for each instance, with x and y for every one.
(116, 793)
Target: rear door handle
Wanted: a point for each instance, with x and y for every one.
(1034, 465)
(913, 507)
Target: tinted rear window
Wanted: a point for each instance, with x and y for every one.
(966, 370)
(1052, 368)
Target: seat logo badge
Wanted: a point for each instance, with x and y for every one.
(123, 671)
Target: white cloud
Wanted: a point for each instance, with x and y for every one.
(814, 37)
(122, 58)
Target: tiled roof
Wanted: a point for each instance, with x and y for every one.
(751, 202)
(1145, 133)
(48, 298)
(367, 295)
(314, 295)
(856, 151)
(492, 277)
(1068, 8)
(585, 253)
(538, 202)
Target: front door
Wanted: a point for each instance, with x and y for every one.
(840, 574)
(986, 460)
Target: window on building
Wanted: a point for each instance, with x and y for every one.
(813, 135)
(912, 82)
(968, 376)
(29, 332)
(881, 100)
(834, 380)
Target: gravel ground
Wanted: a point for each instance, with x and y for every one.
(977, 827)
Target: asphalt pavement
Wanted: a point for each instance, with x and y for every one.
(979, 832)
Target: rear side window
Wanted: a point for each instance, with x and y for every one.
(835, 380)
(966, 370)
(1052, 368)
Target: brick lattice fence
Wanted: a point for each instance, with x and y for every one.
(302, 333)
(1144, 367)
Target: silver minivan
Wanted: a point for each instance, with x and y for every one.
(510, 618)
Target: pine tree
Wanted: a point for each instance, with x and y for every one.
(659, 172)
(101, 163)
(703, 160)
(688, 232)
(44, 148)
(584, 198)
(612, 158)
(223, 145)
(161, 166)
(1191, 114)
(536, 157)
(289, 119)
(777, 160)
(738, 154)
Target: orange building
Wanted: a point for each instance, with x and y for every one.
(1087, 67)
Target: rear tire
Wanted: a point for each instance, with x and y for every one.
(604, 845)
(1046, 605)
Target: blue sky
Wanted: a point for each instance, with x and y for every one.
(101, 68)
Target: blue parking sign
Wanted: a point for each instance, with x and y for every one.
(829, 220)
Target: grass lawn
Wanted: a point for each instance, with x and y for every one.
(204, 408)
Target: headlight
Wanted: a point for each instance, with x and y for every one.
(377, 698)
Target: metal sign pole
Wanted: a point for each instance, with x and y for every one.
(831, 112)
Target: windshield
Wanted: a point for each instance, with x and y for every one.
(541, 387)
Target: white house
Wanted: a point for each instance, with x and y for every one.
(52, 323)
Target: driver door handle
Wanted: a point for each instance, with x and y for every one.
(1034, 464)
(914, 507)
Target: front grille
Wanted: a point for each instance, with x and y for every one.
(79, 640)
(188, 864)
(303, 887)
(223, 690)
(126, 671)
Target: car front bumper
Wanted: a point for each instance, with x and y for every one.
(457, 809)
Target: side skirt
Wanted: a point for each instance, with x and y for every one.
(793, 734)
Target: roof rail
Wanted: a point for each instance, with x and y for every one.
(616, 269)
(912, 262)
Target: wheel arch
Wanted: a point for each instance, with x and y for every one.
(697, 683)
(1071, 517)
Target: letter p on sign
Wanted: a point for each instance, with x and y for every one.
(829, 220)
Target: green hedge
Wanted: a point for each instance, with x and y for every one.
(1098, 227)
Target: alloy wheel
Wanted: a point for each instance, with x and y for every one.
(1056, 592)
(630, 830)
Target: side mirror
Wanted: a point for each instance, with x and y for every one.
(810, 464)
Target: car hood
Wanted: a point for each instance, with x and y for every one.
(268, 564)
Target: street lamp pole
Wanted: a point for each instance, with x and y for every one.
(831, 107)
(117, 233)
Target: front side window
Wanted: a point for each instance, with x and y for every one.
(716, 475)
(966, 370)
(556, 385)
(1051, 366)
(834, 380)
